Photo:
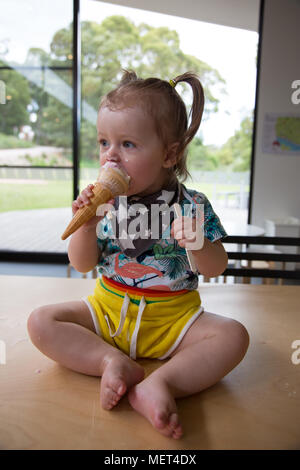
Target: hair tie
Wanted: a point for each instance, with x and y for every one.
(172, 83)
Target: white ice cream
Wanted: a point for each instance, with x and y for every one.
(116, 167)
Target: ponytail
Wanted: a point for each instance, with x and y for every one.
(195, 116)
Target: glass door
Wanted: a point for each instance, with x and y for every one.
(36, 124)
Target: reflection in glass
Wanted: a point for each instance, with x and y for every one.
(36, 167)
(36, 121)
(28, 28)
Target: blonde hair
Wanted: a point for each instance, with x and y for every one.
(165, 106)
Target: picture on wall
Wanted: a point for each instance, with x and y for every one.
(281, 134)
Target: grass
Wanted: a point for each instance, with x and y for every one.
(54, 194)
(205, 188)
(35, 196)
(12, 142)
(210, 189)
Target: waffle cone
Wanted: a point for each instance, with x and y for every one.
(111, 183)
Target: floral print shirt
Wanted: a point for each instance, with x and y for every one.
(163, 266)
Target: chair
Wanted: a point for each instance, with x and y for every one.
(262, 253)
(263, 264)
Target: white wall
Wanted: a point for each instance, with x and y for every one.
(276, 190)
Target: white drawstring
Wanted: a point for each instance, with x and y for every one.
(136, 329)
(123, 314)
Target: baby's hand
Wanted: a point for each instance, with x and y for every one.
(83, 200)
(187, 232)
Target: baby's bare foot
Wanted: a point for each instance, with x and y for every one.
(152, 399)
(119, 374)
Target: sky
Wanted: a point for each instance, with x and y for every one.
(231, 51)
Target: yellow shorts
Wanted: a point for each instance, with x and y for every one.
(143, 323)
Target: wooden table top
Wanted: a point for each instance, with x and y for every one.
(256, 406)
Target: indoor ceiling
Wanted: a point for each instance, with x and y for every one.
(242, 14)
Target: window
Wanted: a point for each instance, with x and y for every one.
(116, 37)
(38, 151)
(36, 164)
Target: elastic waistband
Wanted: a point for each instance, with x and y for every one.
(150, 294)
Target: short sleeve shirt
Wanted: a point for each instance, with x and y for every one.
(164, 265)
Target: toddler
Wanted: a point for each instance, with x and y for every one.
(145, 303)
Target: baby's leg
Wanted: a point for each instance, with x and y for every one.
(211, 348)
(65, 333)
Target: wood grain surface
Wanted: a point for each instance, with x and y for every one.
(256, 406)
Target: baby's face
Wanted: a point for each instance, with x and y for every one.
(128, 137)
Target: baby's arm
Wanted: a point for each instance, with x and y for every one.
(211, 259)
(83, 250)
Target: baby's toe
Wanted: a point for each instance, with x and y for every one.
(177, 432)
(174, 426)
(118, 385)
(161, 420)
(173, 420)
(121, 388)
(109, 398)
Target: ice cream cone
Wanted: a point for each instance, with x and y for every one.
(112, 182)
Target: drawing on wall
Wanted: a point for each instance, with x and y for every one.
(281, 134)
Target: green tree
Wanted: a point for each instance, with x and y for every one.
(14, 112)
(236, 152)
(161, 53)
(201, 157)
(116, 44)
(107, 48)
